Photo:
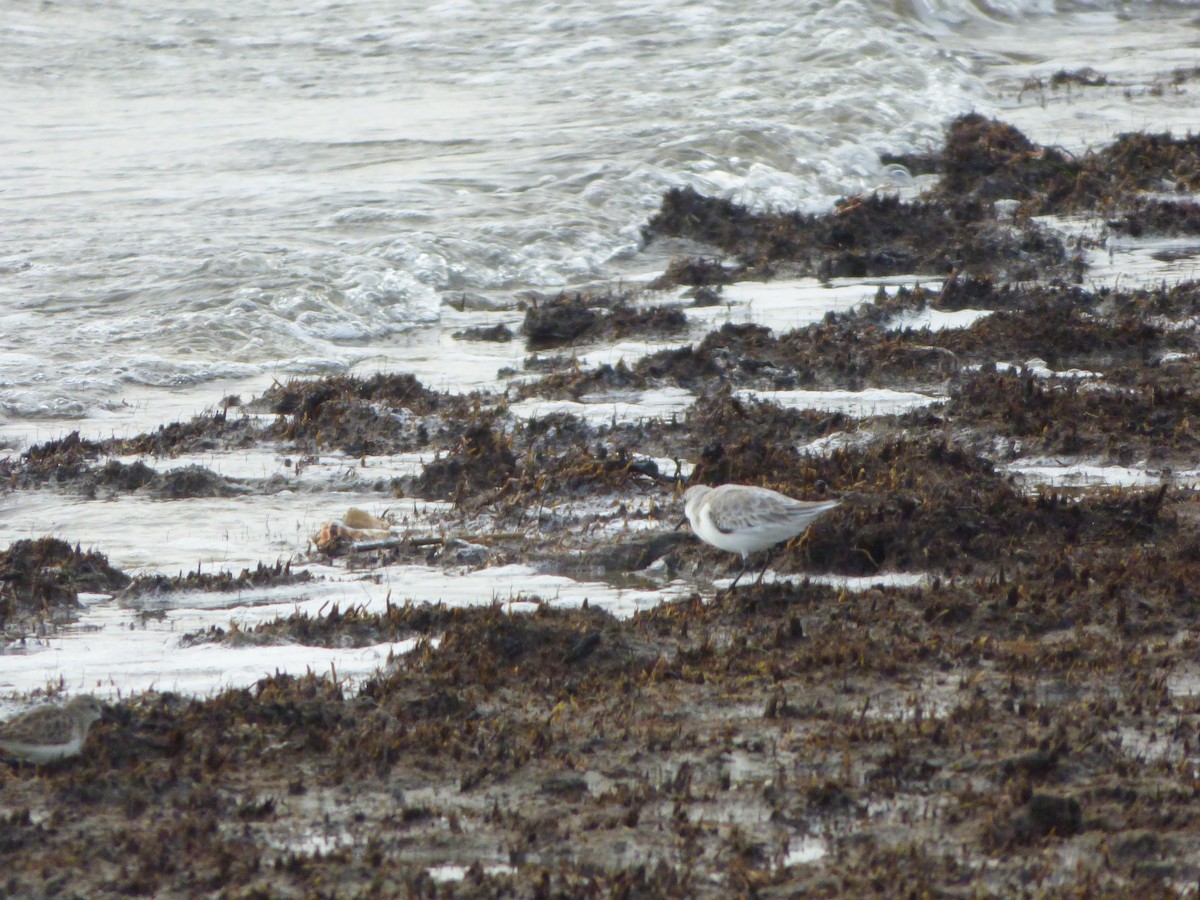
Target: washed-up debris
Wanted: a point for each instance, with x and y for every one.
(355, 525)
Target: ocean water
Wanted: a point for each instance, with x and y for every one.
(196, 199)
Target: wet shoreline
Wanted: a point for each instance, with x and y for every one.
(1026, 713)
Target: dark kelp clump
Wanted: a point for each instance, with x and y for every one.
(865, 237)
(1064, 326)
(60, 460)
(75, 462)
(1065, 416)
(577, 472)
(910, 504)
(1175, 301)
(1065, 334)
(335, 627)
(573, 318)
(1159, 217)
(483, 461)
(499, 333)
(694, 271)
(749, 441)
(83, 472)
(211, 431)
(383, 414)
(261, 576)
(576, 382)
(305, 399)
(991, 160)
(43, 577)
(486, 647)
(953, 228)
(352, 414)
(195, 481)
(522, 473)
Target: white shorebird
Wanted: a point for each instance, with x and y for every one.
(50, 733)
(744, 519)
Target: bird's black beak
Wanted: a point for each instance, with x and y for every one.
(682, 522)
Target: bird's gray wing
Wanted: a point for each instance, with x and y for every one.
(742, 510)
(45, 723)
(763, 510)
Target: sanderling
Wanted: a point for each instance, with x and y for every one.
(744, 519)
(50, 733)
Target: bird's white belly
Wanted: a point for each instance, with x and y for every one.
(744, 541)
(43, 753)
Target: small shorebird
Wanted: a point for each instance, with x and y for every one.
(50, 733)
(744, 519)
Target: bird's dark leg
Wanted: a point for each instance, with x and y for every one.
(740, 573)
(766, 562)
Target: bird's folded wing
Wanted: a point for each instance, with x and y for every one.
(740, 512)
(731, 512)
